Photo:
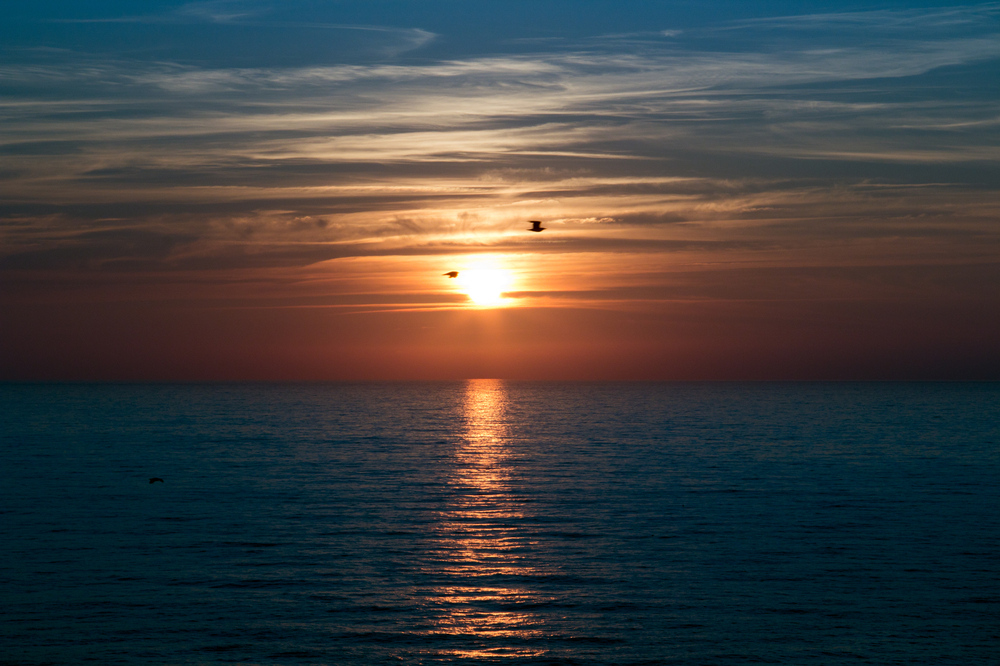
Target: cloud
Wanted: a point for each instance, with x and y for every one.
(615, 139)
(98, 249)
(886, 20)
(212, 11)
(223, 11)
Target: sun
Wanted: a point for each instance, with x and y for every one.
(485, 286)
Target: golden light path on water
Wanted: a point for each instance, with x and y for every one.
(482, 540)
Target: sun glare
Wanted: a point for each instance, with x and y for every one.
(485, 286)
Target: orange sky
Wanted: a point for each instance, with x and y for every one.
(630, 315)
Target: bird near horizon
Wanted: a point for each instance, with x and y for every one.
(155, 479)
(451, 274)
(536, 225)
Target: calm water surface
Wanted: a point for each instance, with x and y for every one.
(495, 522)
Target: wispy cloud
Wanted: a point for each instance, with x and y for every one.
(622, 141)
(223, 11)
(212, 11)
(886, 20)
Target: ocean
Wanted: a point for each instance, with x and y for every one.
(493, 522)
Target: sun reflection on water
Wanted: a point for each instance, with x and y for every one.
(482, 546)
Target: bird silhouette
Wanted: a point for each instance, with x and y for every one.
(451, 274)
(536, 225)
(155, 479)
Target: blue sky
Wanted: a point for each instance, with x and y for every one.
(852, 146)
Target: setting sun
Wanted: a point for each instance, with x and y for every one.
(485, 286)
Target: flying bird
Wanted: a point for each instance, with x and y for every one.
(155, 479)
(536, 225)
(451, 274)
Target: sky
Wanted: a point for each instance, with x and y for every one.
(272, 190)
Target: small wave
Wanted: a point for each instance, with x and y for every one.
(222, 648)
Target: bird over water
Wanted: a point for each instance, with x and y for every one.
(536, 225)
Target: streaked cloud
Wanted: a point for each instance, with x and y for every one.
(658, 141)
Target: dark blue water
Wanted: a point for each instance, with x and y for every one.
(492, 522)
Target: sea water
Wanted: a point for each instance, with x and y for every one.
(496, 522)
